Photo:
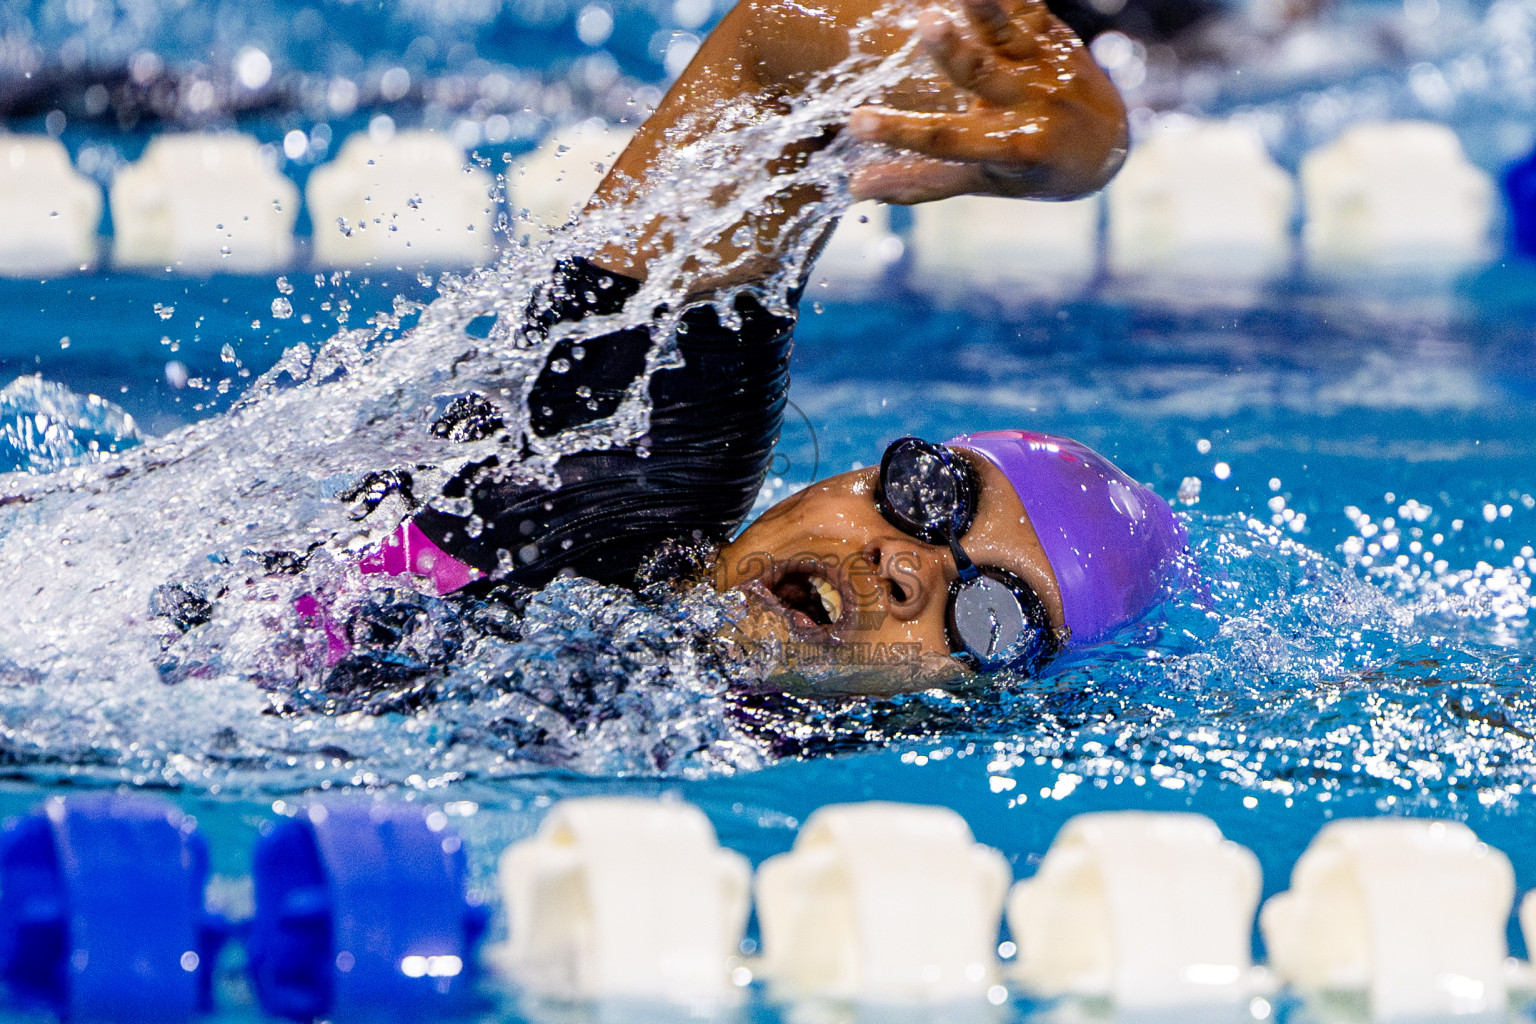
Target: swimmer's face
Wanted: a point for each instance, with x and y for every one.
(824, 567)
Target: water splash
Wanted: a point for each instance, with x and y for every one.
(182, 604)
(157, 636)
(45, 427)
(1296, 676)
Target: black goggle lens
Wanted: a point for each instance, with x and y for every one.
(986, 618)
(994, 619)
(922, 493)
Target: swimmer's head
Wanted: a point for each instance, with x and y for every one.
(1110, 541)
(835, 572)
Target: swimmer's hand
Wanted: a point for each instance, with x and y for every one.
(1019, 108)
(1039, 119)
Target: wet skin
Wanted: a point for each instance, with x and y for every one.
(824, 567)
(1012, 104)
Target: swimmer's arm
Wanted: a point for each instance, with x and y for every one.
(1020, 110)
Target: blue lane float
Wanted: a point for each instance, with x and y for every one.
(1520, 194)
(101, 911)
(361, 911)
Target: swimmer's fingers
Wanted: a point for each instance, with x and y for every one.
(1010, 27)
(919, 179)
(968, 62)
(912, 180)
(1049, 126)
(1006, 138)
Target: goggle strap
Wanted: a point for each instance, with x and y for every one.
(963, 563)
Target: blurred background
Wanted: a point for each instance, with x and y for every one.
(1280, 145)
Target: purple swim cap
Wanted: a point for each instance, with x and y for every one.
(1111, 541)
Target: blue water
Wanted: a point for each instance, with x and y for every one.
(1307, 686)
(1316, 678)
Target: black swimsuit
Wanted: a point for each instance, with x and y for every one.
(714, 422)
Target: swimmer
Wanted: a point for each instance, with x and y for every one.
(989, 551)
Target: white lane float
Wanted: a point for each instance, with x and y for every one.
(1395, 196)
(1008, 248)
(203, 203)
(50, 211)
(882, 903)
(1528, 931)
(412, 199)
(555, 181)
(624, 898)
(1409, 912)
(1200, 199)
(1152, 911)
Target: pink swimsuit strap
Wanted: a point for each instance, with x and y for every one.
(408, 550)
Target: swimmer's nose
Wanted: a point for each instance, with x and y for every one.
(908, 576)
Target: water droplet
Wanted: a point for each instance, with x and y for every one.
(560, 366)
(166, 312)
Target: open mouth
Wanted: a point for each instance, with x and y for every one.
(811, 603)
(810, 595)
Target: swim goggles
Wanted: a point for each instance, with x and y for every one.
(994, 619)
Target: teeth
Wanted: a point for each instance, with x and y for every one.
(831, 600)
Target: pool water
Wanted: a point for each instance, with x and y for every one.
(1356, 464)
(1316, 680)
